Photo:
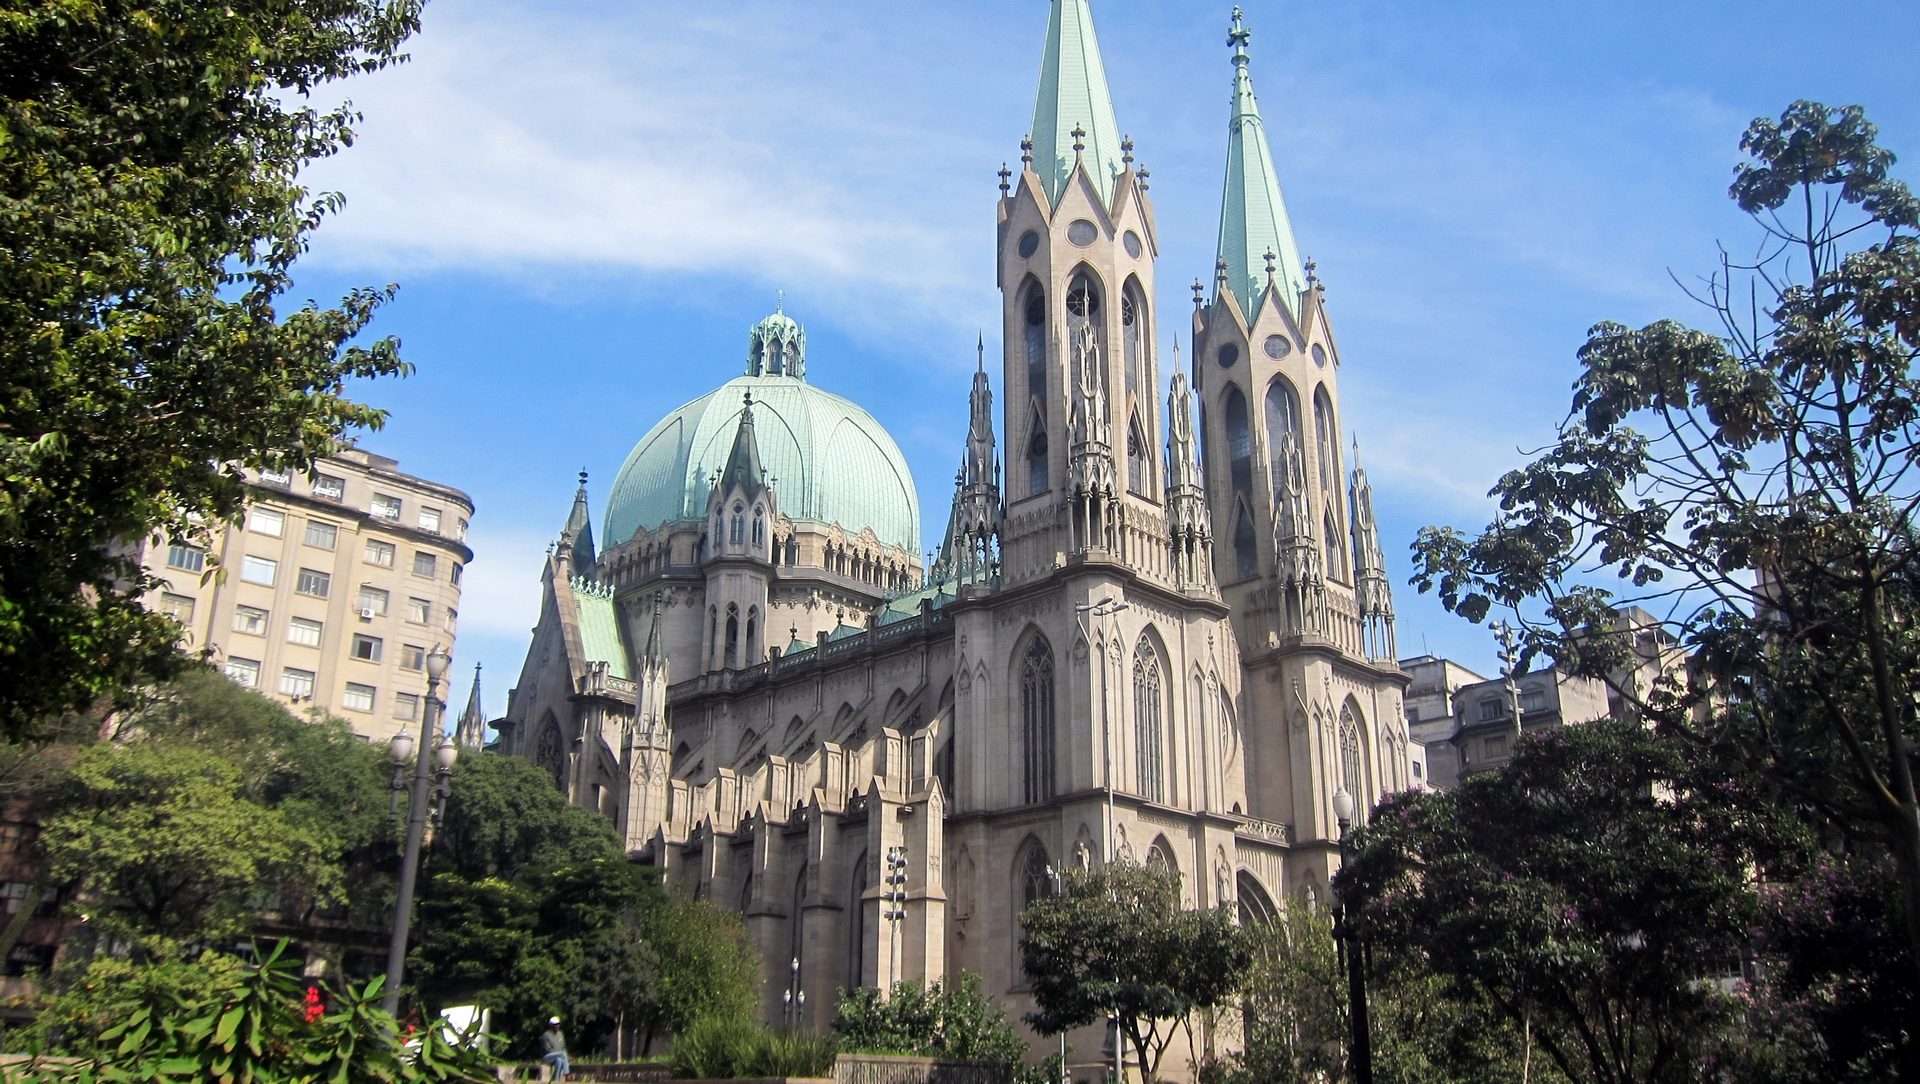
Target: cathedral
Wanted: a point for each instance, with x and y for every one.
(1157, 628)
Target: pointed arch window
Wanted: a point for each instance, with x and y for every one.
(857, 927)
(1240, 470)
(1350, 757)
(1148, 730)
(759, 527)
(1326, 433)
(1035, 328)
(733, 637)
(1136, 456)
(1036, 883)
(1283, 428)
(1036, 721)
(737, 526)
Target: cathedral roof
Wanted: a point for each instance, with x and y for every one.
(599, 626)
(1073, 94)
(829, 460)
(1253, 216)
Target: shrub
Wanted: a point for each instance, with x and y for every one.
(718, 1048)
(946, 1021)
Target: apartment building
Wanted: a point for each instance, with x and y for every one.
(1430, 718)
(330, 591)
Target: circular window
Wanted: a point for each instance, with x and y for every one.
(1278, 347)
(1228, 355)
(1319, 355)
(1081, 232)
(1132, 241)
(1029, 244)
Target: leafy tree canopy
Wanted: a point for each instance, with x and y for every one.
(1587, 893)
(1753, 486)
(150, 216)
(1116, 940)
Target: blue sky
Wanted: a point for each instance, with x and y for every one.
(587, 205)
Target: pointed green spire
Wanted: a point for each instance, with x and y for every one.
(1073, 97)
(1253, 217)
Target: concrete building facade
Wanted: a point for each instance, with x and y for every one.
(329, 592)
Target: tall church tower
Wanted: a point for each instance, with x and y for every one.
(1295, 553)
(1076, 262)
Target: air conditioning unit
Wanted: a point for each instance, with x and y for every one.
(366, 614)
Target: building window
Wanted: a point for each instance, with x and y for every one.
(1496, 747)
(1036, 336)
(296, 683)
(736, 525)
(385, 507)
(1036, 721)
(1326, 432)
(460, 529)
(1350, 758)
(313, 582)
(1147, 742)
(244, 671)
(304, 631)
(186, 558)
(357, 697)
(1491, 710)
(16, 837)
(327, 487)
(453, 618)
(406, 706)
(1246, 554)
(323, 535)
(1413, 716)
(267, 521)
(413, 657)
(1533, 699)
(259, 570)
(418, 610)
(366, 648)
(372, 602)
(430, 520)
(251, 620)
(759, 528)
(178, 607)
(379, 553)
(1417, 771)
(458, 568)
(1036, 883)
(425, 564)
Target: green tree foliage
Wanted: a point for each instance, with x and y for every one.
(718, 1049)
(150, 215)
(168, 848)
(1293, 1014)
(533, 910)
(1589, 894)
(253, 1025)
(1755, 485)
(1116, 940)
(935, 1020)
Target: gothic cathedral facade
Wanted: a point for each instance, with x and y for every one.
(1158, 628)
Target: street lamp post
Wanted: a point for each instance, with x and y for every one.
(795, 998)
(894, 900)
(1356, 965)
(431, 769)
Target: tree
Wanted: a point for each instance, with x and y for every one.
(504, 814)
(1588, 893)
(708, 967)
(1116, 941)
(150, 216)
(1761, 501)
(168, 848)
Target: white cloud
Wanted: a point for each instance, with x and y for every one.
(500, 591)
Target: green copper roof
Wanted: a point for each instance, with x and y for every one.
(600, 626)
(826, 459)
(1073, 93)
(1253, 217)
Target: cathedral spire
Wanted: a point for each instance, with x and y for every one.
(970, 552)
(1074, 98)
(1375, 594)
(578, 533)
(743, 463)
(1186, 500)
(1253, 216)
(471, 733)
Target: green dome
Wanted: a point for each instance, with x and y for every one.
(826, 458)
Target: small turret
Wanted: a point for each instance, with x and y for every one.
(970, 553)
(647, 756)
(1186, 500)
(1374, 594)
(576, 538)
(471, 732)
(743, 468)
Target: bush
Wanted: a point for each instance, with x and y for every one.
(719, 1048)
(956, 1021)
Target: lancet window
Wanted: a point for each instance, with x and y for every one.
(1283, 429)
(1036, 721)
(1148, 738)
(1134, 354)
(1350, 757)
(1326, 431)
(1035, 319)
(1246, 554)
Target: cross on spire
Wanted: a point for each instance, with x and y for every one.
(1026, 152)
(1270, 258)
(1005, 173)
(1126, 150)
(1313, 280)
(1238, 36)
(1079, 135)
(1197, 291)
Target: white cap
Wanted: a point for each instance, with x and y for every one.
(553, 1020)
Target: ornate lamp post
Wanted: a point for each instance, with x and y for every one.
(1362, 1046)
(431, 770)
(795, 998)
(894, 903)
